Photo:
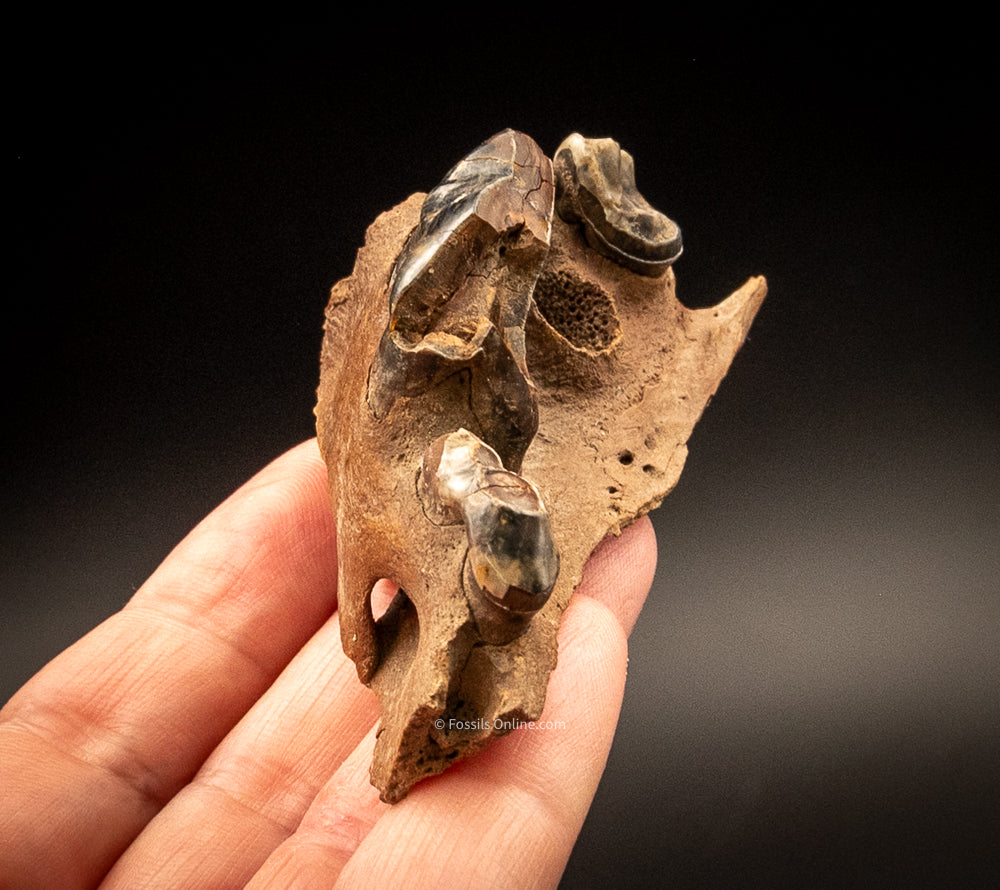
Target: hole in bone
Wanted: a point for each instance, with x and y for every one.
(579, 310)
(383, 593)
(626, 458)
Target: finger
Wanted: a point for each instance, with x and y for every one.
(104, 735)
(610, 563)
(254, 788)
(332, 829)
(513, 810)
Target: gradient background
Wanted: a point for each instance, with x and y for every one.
(813, 692)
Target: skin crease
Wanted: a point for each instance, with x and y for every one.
(213, 733)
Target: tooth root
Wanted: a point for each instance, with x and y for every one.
(513, 561)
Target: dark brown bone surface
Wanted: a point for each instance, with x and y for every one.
(496, 396)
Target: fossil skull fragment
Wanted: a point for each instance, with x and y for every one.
(506, 378)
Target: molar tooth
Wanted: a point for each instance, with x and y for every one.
(461, 287)
(595, 185)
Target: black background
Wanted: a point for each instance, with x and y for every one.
(812, 696)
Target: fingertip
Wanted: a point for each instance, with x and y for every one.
(620, 572)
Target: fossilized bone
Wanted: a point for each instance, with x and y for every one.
(501, 387)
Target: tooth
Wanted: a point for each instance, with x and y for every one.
(595, 185)
(513, 562)
(461, 288)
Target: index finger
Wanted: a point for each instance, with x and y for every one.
(106, 733)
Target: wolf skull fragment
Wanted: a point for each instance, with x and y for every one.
(506, 378)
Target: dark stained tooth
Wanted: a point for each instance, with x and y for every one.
(595, 186)
(513, 561)
(461, 288)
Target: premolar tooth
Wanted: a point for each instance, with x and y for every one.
(513, 560)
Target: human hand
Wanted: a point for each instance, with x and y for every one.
(214, 734)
